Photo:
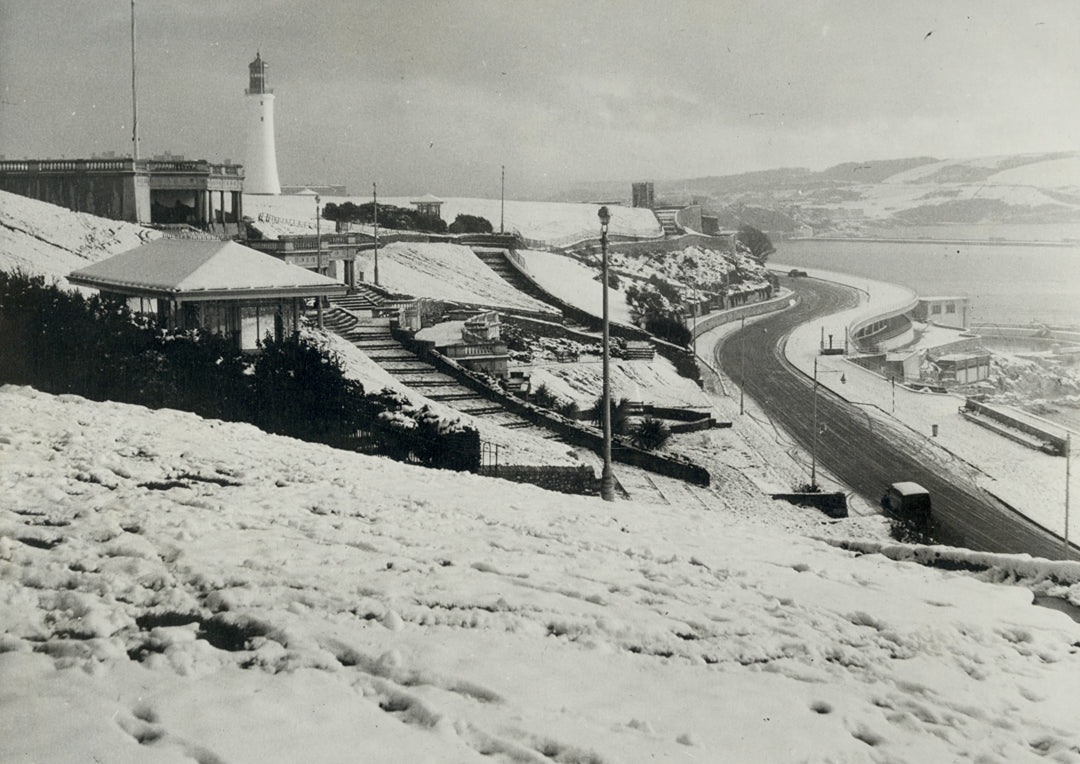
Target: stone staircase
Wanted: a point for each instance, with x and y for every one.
(368, 297)
(667, 220)
(372, 335)
(496, 259)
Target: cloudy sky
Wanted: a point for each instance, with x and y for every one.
(434, 96)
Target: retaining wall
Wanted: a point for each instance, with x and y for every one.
(576, 480)
(706, 323)
(832, 504)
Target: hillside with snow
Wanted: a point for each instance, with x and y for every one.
(177, 589)
(45, 240)
(553, 223)
(445, 272)
(897, 197)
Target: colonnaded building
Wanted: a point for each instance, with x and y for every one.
(164, 190)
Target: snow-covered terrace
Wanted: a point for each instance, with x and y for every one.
(544, 223)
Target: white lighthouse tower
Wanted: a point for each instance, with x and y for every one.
(260, 166)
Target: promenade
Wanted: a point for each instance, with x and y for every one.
(1030, 481)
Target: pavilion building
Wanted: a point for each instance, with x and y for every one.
(218, 286)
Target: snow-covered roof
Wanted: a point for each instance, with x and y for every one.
(427, 199)
(196, 269)
(907, 488)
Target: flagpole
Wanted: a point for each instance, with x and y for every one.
(134, 94)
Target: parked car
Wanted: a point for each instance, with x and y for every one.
(907, 500)
(796, 273)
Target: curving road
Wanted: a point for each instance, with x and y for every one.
(868, 452)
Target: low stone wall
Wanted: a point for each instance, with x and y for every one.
(676, 413)
(743, 311)
(576, 480)
(549, 329)
(675, 244)
(706, 423)
(832, 504)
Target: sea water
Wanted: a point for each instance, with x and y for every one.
(1007, 283)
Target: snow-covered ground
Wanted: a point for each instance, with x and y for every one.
(1031, 481)
(177, 589)
(654, 382)
(444, 271)
(46, 240)
(556, 223)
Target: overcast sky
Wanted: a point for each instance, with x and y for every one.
(434, 96)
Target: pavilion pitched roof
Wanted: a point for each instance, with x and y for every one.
(193, 268)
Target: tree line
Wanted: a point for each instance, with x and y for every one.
(63, 342)
(403, 219)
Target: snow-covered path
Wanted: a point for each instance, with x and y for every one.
(176, 589)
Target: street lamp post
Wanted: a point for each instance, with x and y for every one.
(1068, 457)
(813, 451)
(607, 480)
(318, 255)
(693, 331)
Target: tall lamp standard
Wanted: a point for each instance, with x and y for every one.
(318, 255)
(607, 480)
(813, 451)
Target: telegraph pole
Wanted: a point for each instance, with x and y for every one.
(502, 202)
(375, 205)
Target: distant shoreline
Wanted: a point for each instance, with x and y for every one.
(980, 242)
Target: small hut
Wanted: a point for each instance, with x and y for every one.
(428, 205)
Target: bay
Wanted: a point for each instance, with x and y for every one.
(1007, 283)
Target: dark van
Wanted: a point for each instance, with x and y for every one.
(907, 500)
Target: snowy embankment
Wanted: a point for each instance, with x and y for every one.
(43, 239)
(172, 587)
(445, 272)
(653, 382)
(556, 223)
(575, 283)
(1029, 480)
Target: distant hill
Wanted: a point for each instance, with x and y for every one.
(858, 197)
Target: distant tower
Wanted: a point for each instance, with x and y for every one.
(260, 166)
